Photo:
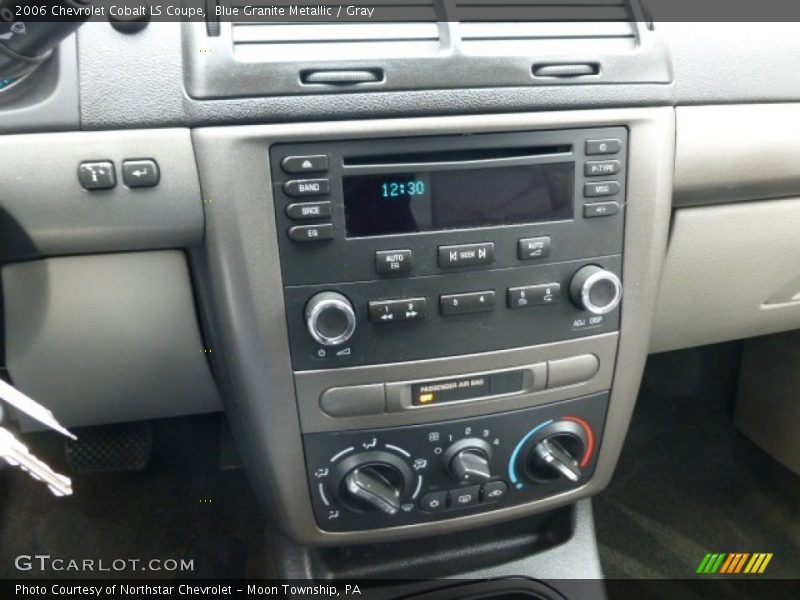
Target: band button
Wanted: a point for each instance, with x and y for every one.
(307, 187)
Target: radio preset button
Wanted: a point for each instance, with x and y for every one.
(393, 262)
(301, 211)
(311, 233)
(610, 146)
(600, 188)
(391, 311)
(533, 295)
(307, 187)
(533, 248)
(600, 209)
(470, 302)
(305, 164)
(593, 168)
(466, 255)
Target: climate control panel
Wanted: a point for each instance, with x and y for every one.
(381, 478)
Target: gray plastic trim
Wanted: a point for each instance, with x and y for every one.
(767, 408)
(311, 385)
(49, 213)
(246, 290)
(217, 67)
(731, 272)
(734, 153)
(107, 338)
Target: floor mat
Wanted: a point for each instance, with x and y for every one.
(181, 507)
(688, 483)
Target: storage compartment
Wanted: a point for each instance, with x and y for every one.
(731, 272)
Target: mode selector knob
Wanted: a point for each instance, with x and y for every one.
(330, 318)
(595, 289)
(469, 460)
(375, 486)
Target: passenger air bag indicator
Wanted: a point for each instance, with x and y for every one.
(466, 388)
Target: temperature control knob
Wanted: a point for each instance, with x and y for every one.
(330, 318)
(559, 450)
(468, 460)
(595, 289)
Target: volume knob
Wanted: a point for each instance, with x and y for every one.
(595, 289)
(330, 318)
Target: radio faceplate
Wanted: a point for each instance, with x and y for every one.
(535, 207)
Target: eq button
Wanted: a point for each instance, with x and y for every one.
(311, 233)
(466, 255)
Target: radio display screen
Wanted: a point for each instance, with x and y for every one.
(385, 204)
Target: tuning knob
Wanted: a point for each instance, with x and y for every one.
(468, 460)
(375, 486)
(595, 289)
(330, 318)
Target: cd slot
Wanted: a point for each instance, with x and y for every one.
(462, 156)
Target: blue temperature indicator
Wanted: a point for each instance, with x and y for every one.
(400, 189)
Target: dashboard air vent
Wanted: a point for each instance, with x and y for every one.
(305, 41)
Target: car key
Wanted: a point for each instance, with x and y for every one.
(15, 453)
(32, 408)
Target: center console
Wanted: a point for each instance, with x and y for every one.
(418, 248)
(427, 316)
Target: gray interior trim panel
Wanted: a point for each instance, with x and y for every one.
(107, 338)
(47, 212)
(731, 272)
(246, 288)
(115, 95)
(311, 384)
(733, 153)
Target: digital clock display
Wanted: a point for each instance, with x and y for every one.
(385, 204)
(397, 189)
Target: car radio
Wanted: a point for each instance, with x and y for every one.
(413, 248)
